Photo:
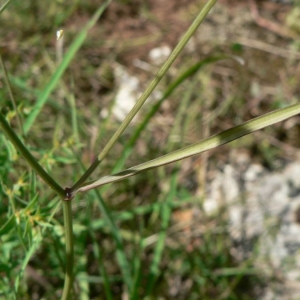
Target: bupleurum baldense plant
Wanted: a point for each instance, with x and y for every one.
(32, 221)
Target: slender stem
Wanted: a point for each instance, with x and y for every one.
(4, 6)
(11, 95)
(201, 16)
(67, 208)
(29, 158)
(85, 176)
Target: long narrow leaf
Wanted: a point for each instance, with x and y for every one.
(68, 57)
(2, 8)
(207, 144)
(166, 213)
(120, 251)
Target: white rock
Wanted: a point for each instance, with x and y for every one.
(159, 55)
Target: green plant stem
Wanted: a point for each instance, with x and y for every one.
(67, 208)
(189, 33)
(2, 8)
(10, 134)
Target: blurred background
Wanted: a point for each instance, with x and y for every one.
(230, 229)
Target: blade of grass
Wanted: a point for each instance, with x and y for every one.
(177, 127)
(71, 99)
(68, 57)
(137, 271)
(2, 8)
(120, 251)
(29, 254)
(102, 271)
(199, 19)
(165, 217)
(109, 220)
(207, 144)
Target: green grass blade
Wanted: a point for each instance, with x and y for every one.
(109, 220)
(2, 8)
(137, 272)
(68, 57)
(29, 254)
(72, 102)
(165, 217)
(102, 270)
(207, 144)
(116, 233)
